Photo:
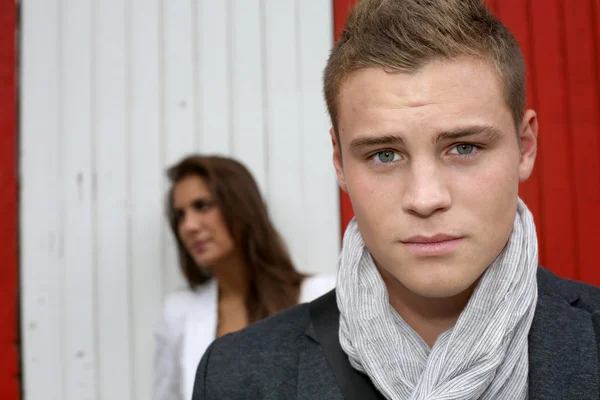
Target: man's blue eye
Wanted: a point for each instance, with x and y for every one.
(465, 149)
(386, 156)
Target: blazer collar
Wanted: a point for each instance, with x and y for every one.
(563, 351)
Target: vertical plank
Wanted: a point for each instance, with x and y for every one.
(41, 235)
(212, 83)
(180, 137)
(285, 178)
(145, 185)
(584, 120)
(9, 349)
(555, 223)
(247, 80)
(111, 148)
(515, 15)
(320, 189)
(596, 22)
(178, 60)
(341, 8)
(78, 200)
(492, 5)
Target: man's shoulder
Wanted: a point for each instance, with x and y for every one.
(577, 294)
(257, 360)
(564, 339)
(276, 333)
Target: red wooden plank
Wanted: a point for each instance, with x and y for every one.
(584, 121)
(346, 209)
(492, 5)
(596, 28)
(515, 15)
(341, 9)
(556, 224)
(9, 356)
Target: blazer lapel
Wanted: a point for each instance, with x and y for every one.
(315, 378)
(563, 360)
(324, 329)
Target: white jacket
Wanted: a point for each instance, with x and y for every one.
(189, 325)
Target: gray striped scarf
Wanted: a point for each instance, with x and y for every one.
(484, 356)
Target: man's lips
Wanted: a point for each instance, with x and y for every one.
(434, 245)
(439, 237)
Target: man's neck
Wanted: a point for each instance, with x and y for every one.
(429, 317)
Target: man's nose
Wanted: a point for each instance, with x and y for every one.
(426, 191)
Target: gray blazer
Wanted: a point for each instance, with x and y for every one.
(285, 357)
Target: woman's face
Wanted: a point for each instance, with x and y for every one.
(201, 225)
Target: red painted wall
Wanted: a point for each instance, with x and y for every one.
(340, 12)
(561, 44)
(9, 353)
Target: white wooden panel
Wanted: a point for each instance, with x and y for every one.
(112, 94)
(180, 137)
(147, 177)
(41, 271)
(213, 77)
(112, 223)
(78, 200)
(247, 88)
(320, 189)
(286, 199)
(178, 61)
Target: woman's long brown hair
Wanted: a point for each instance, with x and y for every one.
(274, 282)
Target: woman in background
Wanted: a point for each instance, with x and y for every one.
(236, 265)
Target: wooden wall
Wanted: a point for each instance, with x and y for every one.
(112, 93)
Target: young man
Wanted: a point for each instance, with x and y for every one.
(439, 294)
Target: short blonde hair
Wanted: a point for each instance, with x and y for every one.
(404, 35)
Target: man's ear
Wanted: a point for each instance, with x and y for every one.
(337, 159)
(528, 133)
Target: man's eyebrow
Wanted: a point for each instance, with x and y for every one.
(366, 141)
(487, 131)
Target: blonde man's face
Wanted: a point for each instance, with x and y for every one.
(432, 164)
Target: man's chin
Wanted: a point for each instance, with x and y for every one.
(439, 291)
(439, 286)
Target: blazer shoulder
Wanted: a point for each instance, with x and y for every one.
(276, 335)
(255, 361)
(577, 294)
